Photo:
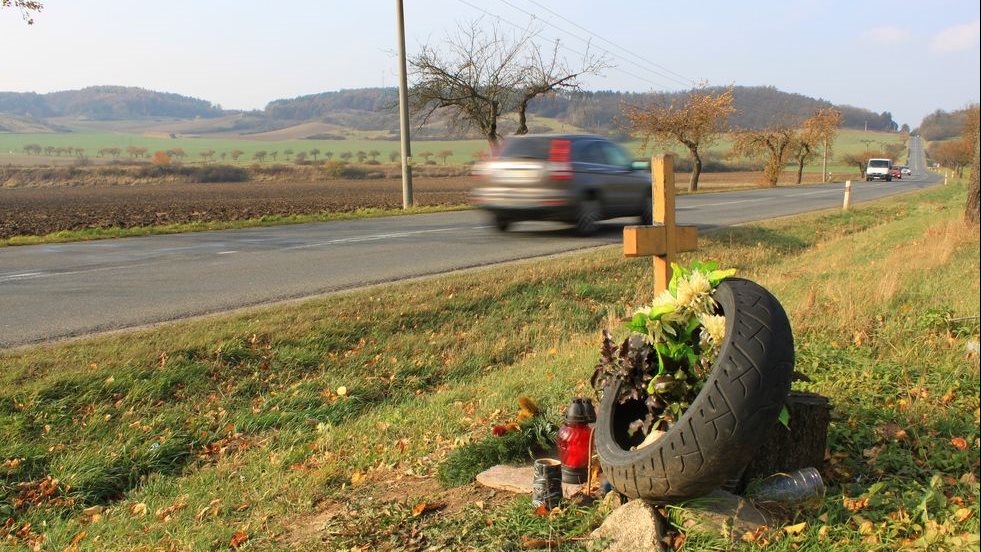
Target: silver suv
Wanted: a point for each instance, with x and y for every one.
(569, 178)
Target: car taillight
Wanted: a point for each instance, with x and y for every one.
(559, 157)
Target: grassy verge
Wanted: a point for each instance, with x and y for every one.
(324, 423)
(268, 220)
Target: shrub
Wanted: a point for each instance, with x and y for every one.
(219, 173)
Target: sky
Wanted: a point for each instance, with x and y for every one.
(908, 58)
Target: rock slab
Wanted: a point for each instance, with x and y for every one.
(634, 527)
(516, 479)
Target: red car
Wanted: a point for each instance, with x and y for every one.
(896, 172)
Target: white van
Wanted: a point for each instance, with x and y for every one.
(879, 169)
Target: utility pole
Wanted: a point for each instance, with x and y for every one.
(404, 114)
(824, 167)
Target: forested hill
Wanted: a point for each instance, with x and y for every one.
(106, 103)
(756, 107)
(375, 108)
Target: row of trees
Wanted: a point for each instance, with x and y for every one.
(209, 155)
(958, 153)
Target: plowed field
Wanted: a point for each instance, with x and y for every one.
(38, 211)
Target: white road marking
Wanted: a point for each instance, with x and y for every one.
(21, 276)
(375, 237)
(225, 252)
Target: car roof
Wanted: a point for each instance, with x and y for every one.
(560, 136)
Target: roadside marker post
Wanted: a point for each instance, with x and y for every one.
(848, 195)
(664, 239)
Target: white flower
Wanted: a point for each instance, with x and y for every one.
(713, 328)
(695, 293)
(663, 299)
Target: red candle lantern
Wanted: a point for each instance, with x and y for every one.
(575, 440)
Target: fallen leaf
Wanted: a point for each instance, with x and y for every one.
(795, 529)
(164, 514)
(854, 505)
(73, 544)
(238, 539)
(138, 509)
(532, 543)
(962, 514)
(959, 443)
(678, 541)
(357, 478)
(541, 510)
(426, 507)
(479, 504)
(341, 391)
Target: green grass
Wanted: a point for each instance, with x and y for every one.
(203, 226)
(192, 432)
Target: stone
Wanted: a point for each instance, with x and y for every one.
(517, 479)
(725, 514)
(634, 527)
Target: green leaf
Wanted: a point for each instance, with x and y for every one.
(784, 417)
(638, 324)
(677, 272)
(716, 276)
(657, 313)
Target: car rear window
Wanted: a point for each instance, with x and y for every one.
(534, 147)
(878, 164)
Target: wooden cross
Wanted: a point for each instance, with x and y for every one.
(664, 239)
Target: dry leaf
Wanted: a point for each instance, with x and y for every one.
(357, 478)
(959, 443)
(962, 515)
(238, 539)
(138, 509)
(341, 391)
(854, 505)
(541, 510)
(426, 507)
(532, 543)
(73, 544)
(795, 529)
(479, 504)
(678, 541)
(163, 514)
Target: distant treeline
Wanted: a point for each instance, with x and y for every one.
(106, 103)
(375, 108)
(941, 125)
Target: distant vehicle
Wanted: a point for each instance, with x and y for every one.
(906, 170)
(879, 169)
(578, 179)
(896, 173)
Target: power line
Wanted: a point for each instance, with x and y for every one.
(577, 52)
(610, 42)
(686, 82)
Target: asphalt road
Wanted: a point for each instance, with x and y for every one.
(51, 292)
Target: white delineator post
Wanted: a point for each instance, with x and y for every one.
(848, 195)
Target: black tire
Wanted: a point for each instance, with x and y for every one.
(647, 214)
(502, 222)
(588, 217)
(888, 179)
(727, 422)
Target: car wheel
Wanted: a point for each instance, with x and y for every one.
(728, 420)
(587, 220)
(647, 214)
(502, 223)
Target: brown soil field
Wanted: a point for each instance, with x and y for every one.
(42, 210)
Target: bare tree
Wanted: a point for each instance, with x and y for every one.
(544, 73)
(473, 81)
(314, 153)
(393, 156)
(26, 7)
(444, 154)
(817, 131)
(236, 153)
(773, 145)
(373, 154)
(697, 121)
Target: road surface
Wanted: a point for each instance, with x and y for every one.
(51, 292)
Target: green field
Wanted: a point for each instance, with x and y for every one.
(11, 146)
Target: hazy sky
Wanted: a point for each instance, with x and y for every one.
(905, 57)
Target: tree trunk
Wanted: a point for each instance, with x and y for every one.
(696, 170)
(800, 170)
(971, 212)
(522, 118)
(802, 446)
(824, 167)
